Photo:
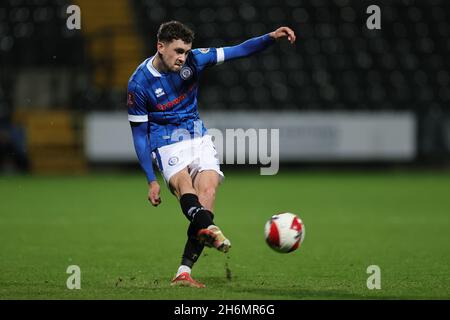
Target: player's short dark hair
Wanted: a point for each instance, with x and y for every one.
(174, 30)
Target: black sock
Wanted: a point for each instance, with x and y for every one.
(198, 216)
(192, 250)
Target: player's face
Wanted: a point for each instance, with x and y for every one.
(174, 54)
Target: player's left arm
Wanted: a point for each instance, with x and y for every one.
(257, 44)
(212, 56)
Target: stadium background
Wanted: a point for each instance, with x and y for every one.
(65, 203)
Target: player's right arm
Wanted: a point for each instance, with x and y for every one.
(138, 117)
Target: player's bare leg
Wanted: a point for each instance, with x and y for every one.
(205, 184)
(181, 183)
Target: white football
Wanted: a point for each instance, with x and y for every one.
(284, 232)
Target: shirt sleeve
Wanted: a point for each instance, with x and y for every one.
(247, 48)
(143, 150)
(136, 103)
(206, 57)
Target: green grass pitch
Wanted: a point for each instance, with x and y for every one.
(127, 249)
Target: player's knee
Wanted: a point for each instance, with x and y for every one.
(208, 192)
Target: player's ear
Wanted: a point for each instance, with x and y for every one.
(160, 46)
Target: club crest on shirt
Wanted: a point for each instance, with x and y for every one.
(204, 50)
(185, 73)
(173, 161)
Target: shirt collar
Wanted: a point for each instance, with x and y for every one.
(152, 69)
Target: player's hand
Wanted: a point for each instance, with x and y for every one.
(153, 193)
(283, 32)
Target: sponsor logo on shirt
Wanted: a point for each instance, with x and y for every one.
(159, 92)
(177, 100)
(204, 50)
